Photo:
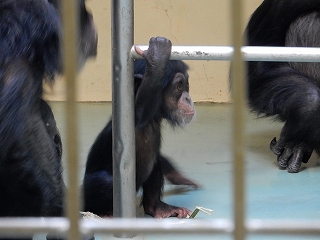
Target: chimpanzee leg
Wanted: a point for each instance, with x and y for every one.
(171, 173)
(151, 201)
(98, 193)
(295, 99)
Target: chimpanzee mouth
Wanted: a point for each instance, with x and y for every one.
(189, 113)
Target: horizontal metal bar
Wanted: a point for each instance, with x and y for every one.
(284, 227)
(275, 54)
(155, 226)
(200, 226)
(29, 226)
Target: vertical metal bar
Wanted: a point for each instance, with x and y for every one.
(124, 174)
(238, 93)
(70, 46)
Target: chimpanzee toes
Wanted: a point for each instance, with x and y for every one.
(180, 212)
(164, 210)
(183, 213)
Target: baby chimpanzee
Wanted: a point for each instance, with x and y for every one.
(161, 93)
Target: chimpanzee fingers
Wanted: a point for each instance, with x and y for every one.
(301, 154)
(156, 45)
(284, 158)
(139, 51)
(292, 158)
(276, 146)
(283, 154)
(296, 160)
(159, 50)
(161, 42)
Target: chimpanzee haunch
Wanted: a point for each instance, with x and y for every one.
(161, 93)
(288, 91)
(30, 146)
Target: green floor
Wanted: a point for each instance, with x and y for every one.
(202, 150)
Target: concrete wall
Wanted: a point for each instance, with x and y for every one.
(184, 22)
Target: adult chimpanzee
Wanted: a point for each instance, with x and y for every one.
(288, 91)
(161, 93)
(30, 146)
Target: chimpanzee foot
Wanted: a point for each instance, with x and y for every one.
(178, 179)
(163, 210)
(173, 175)
(288, 157)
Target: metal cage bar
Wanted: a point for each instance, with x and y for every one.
(249, 53)
(124, 175)
(238, 122)
(70, 64)
(122, 71)
(201, 226)
(29, 226)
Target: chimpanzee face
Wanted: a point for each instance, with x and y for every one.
(178, 106)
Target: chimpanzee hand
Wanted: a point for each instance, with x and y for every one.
(163, 210)
(290, 156)
(159, 51)
(157, 58)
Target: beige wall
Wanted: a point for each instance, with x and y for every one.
(184, 22)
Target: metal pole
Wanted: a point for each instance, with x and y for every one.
(201, 226)
(29, 226)
(249, 53)
(70, 47)
(238, 120)
(157, 226)
(281, 54)
(124, 175)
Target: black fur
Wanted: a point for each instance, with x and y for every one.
(288, 91)
(30, 146)
(171, 69)
(153, 86)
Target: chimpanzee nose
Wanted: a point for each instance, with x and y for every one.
(188, 99)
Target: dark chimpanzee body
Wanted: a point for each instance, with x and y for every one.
(161, 93)
(288, 91)
(30, 146)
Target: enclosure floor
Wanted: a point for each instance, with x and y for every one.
(202, 151)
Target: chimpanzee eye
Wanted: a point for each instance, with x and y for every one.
(179, 87)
